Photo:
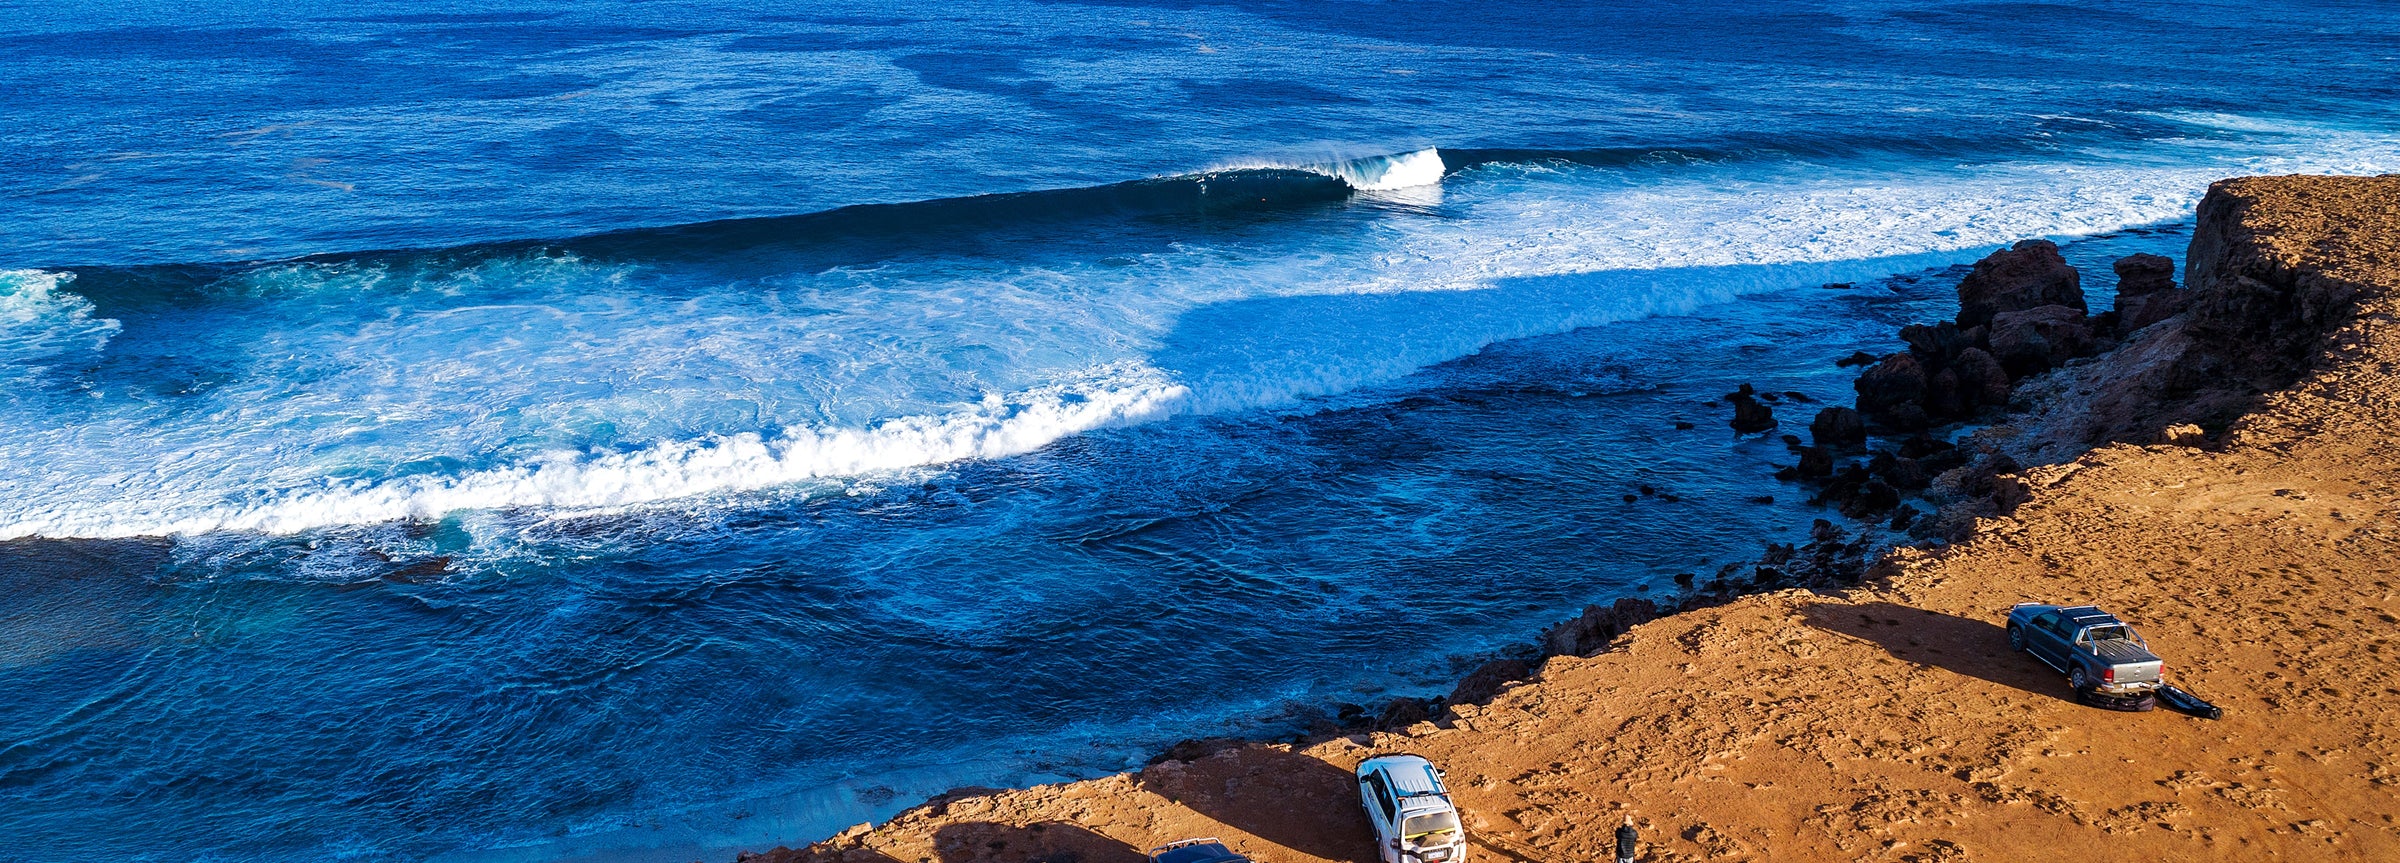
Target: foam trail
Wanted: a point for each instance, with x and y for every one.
(570, 482)
(39, 318)
(302, 395)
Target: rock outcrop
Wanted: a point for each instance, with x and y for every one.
(2146, 293)
(1749, 415)
(2250, 323)
(1891, 721)
(2029, 275)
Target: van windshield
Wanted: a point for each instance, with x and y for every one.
(1421, 828)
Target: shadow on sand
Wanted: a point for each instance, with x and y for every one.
(1044, 842)
(1286, 798)
(1974, 648)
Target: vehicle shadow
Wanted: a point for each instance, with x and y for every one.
(1043, 842)
(1287, 798)
(1974, 648)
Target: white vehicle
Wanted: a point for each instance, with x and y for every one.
(1414, 820)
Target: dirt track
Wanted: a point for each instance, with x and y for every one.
(1893, 723)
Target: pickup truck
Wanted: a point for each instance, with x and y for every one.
(1410, 809)
(2106, 662)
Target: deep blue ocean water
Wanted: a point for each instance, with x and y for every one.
(642, 430)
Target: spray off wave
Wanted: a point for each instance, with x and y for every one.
(567, 383)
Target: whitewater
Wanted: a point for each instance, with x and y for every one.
(389, 396)
(641, 432)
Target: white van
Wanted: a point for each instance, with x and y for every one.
(1415, 822)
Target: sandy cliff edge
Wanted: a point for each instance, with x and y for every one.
(1891, 722)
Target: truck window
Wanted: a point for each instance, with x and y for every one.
(2047, 622)
(1383, 795)
(1426, 825)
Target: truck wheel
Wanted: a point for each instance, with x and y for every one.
(2076, 679)
(2016, 638)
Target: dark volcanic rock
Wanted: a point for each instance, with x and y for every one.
(1748, 414)
(1898, 380)
(1981, 379)
(1934, 345)
(2036, 340)
(1942, 398)
(2141, 274)
(1815, 461)
(2030, 275)
(1874, 498)
(1487, 679)
(1856, 358)
(1404, 712)
(1599, 625)
(1838, 428)
(2146, 292)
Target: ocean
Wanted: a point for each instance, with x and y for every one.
(640, 431)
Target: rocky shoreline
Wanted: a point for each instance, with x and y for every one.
(1866, 687)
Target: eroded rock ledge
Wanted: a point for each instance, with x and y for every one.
(2249, 524)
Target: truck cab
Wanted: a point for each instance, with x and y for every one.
(2106, 662)
(1410, 808)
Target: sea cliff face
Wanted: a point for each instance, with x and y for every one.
(2242, 510)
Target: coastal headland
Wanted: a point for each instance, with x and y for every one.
(2227, 478)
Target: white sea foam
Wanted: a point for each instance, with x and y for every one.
(550, 383)
(1377, 173)
(1387, 173)
(1002, 425)
(40, 319)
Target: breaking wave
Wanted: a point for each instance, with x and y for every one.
(630, 368)
(40, 319)
(570, 482)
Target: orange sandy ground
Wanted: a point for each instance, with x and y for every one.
(1893, 723)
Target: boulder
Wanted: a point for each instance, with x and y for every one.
(2038, 339)
(2143, 274)
(2183, 434)
(1981, 379)
(2030, 275)
(1897, 380)
(2138, 312)
(1404, 712)
(1942, 397)
(1902, 473)
(1599, 625)
(1907, 417)
(1748, 414)
(2146, 292)
(1874, 497)
(1815, 462)
(1837, 428)
(1934, 345)
(1488, 679)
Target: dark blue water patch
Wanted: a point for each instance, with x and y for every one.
(810, 42)
(1255, 93)
(404, 690)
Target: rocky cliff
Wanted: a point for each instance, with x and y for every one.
(2248, 522)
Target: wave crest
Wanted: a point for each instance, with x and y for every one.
(571, 483)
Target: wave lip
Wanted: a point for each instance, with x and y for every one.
(1379, 173)
(1389, 173)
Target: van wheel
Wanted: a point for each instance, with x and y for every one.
(2016, 638)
